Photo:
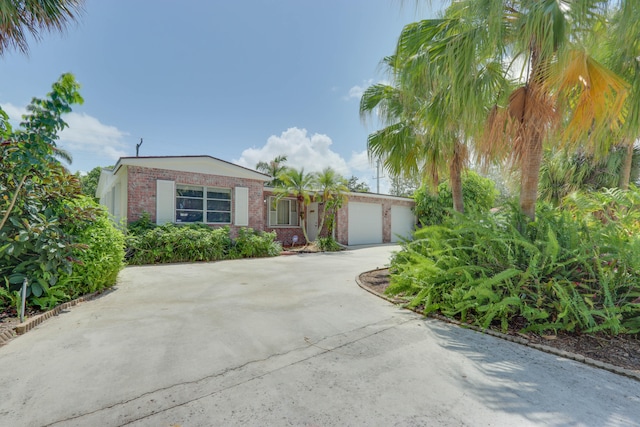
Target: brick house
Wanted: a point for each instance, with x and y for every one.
(186, 189)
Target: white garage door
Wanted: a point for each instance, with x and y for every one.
(402, 222)
(365, 223)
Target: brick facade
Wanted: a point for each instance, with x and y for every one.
(141, 194)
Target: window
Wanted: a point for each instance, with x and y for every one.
(284, 212)
(202, 204)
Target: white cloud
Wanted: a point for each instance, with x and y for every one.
(357, 91)
(84, 134)
(312, 152)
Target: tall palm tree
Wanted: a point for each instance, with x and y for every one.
(562, 93)
(330, 189)
(297, 183)
(273, 168)
(20, 18)
(428, 130)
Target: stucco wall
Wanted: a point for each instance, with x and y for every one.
(141, 195)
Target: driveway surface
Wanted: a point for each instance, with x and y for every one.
(287, 341)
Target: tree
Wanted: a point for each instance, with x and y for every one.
(89, 182)
(274, 168)
(20, 18)
(297, 183)
(330, 188)
(34, 187)
(428, 131)
(562, 93)
(354, 185)
(404, 187)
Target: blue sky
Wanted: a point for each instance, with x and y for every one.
(241, 81)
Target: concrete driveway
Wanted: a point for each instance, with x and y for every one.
(286, 341)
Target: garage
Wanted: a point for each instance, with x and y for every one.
(402, 222)
(365, 223)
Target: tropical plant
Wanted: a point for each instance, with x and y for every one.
(479, 196)
(19, 19)
(330, 189)
(34, 189)
(570, 270)
(274, 168)
(299, 184)
(562, 172)
(562, 93)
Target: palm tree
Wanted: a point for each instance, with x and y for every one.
(20, 18)
(330, 189)
(562, 92)
(274, 168)
(427, 129)
(297, 183)
(622, 49)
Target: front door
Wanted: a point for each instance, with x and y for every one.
(312, 221)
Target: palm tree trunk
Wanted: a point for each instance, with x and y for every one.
(530, 170)
(625, 172)
(455, 176)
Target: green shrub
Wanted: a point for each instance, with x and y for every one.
(142, 224)
(329, 244)
(197, 242)
(251, 244)
(178, 243)
(479, 195)
(572, 269)
(101, 252)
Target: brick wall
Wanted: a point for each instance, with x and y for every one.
(141, 195)
(285, 234)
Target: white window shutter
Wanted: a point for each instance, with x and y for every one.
(165, 201)
(242, 207)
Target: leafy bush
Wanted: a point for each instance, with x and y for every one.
(197, 242)
(142, 224)
(101, 256)
(479, 195)
(329, 244)
(571, 270)
(178, 243)
(251, 243)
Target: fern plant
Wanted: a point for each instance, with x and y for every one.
(572, 269)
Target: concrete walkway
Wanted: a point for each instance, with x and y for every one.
(286, 341)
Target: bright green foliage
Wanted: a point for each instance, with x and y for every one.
(89, 182)
(197, 242)
(572, 270)
(563, 173)
(142, 224)
(33, 190)
(101, 255)
(329, 244)
(479, 196)
(251, 244)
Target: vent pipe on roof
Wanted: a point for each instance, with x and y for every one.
(138, 147)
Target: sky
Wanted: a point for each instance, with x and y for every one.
(240, 81)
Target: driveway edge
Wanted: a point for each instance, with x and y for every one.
(518, 340)
(26, 326)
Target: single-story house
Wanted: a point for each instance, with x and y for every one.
(187, 189)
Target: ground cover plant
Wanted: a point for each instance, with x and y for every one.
(573, 269)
